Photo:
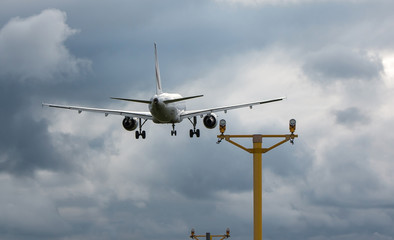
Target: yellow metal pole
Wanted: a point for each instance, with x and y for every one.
(257, 188)
(257, 151)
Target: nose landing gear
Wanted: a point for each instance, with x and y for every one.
(173, 131)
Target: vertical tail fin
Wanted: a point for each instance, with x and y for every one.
(158, 80)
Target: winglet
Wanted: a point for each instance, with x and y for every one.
(158, 80)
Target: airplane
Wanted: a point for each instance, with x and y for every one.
(164, 108)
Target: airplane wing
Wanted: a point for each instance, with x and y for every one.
(144, 115)
(188, 114)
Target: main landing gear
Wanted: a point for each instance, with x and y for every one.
(140, 132)
(194, 130)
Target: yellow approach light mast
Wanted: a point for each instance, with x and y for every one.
(257, 151)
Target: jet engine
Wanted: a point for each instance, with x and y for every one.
(210, 121)
(129, 123)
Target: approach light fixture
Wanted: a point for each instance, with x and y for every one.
(292, 125)
(222, 126)
(228, 232)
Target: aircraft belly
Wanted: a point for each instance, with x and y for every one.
(165, 115)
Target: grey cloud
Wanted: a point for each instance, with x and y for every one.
(346, 178)
(191, 172)
(351, 116)
(25, 140)
(284, 161)
(196, 174)
(337, 196)
(351, 236)
(27, 211)
(340, 63)
(33, 48)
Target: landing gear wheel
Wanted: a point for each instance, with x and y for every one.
(143, 134)
(137, 135)
(192, 132)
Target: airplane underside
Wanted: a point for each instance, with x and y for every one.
(130, 124)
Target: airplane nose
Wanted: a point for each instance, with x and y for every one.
(155, 101)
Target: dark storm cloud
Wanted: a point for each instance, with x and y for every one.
(340, 63)
(25, 141)
(31, 53)
(351, 116)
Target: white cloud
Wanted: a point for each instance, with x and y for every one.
(388, 64)
(33, 48)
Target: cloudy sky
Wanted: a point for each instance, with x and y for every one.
(74, 176)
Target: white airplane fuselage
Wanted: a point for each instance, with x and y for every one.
(166, 112)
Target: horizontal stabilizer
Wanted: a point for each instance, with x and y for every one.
(181, 99)
(133, 100)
